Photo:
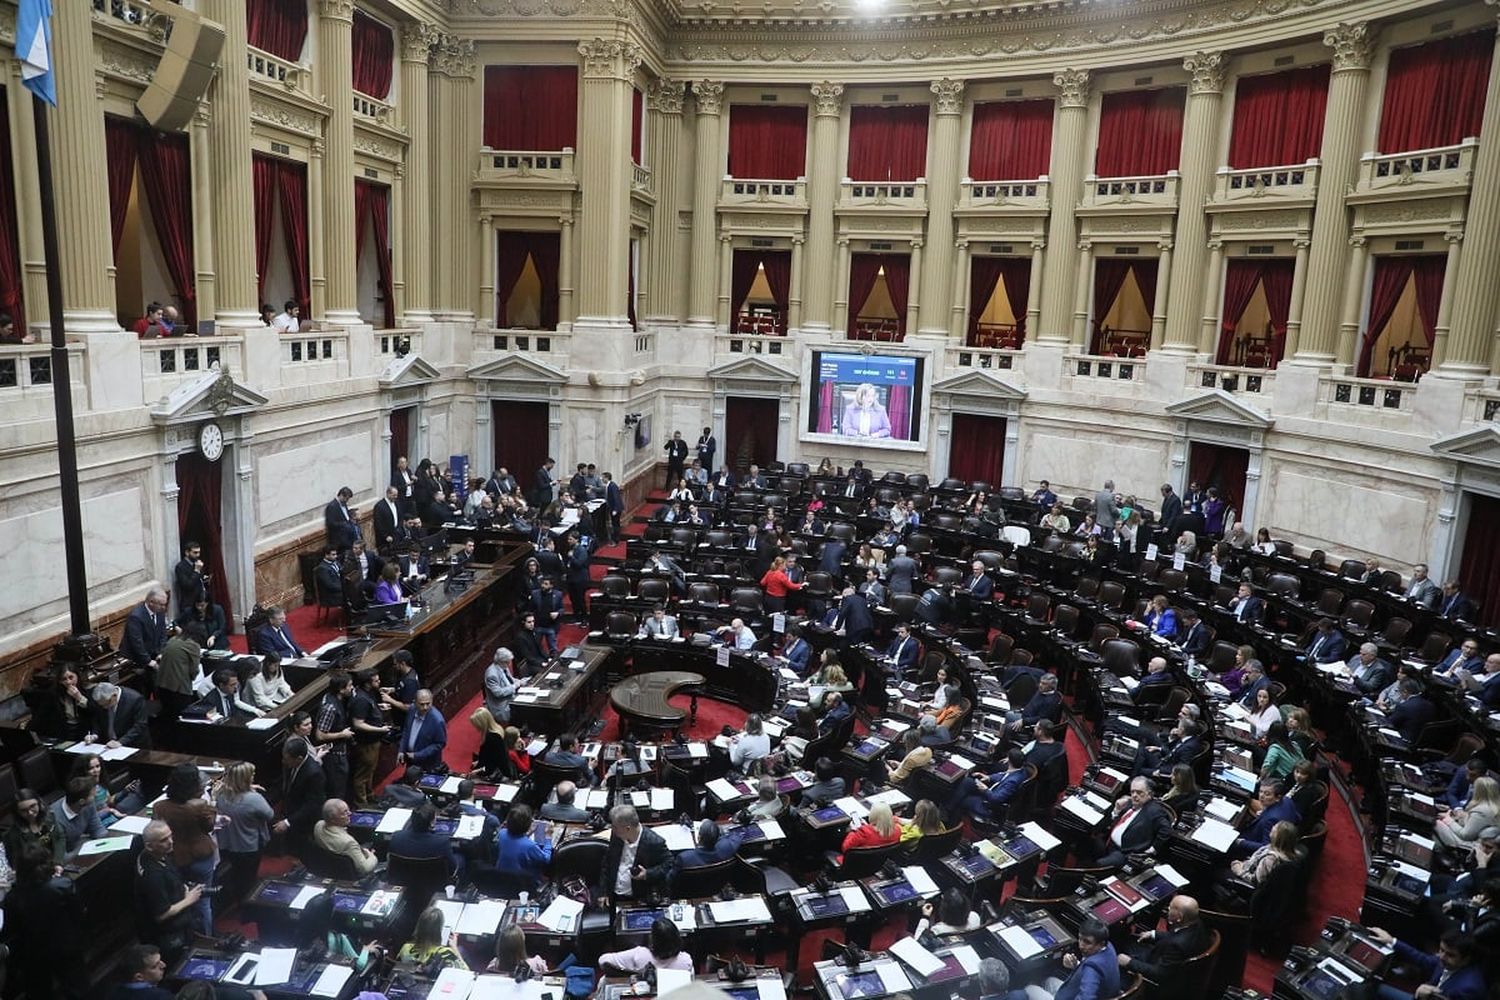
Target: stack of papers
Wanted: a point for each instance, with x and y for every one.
(751, 909)
(264, 722)
(1212, 833)
(469, 828)
(561, 916)
(1040, 837)
(331, 982)
(480, 919)
(380, 903)
(105, 845)
(723, 790)
(1079, 807)
(394, 820)
(924, 962)
(1222, 808)
(918, 879)
(306, 895)
(771, 829)
(848, 805)
(129, 824)
(677, 836)
(1021, 942)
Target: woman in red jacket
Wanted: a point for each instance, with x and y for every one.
(877, 830)
(777, 585)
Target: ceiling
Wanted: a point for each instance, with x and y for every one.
(843, 12)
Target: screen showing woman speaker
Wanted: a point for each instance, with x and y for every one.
(866, 398)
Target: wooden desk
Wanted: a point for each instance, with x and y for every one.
(645, 700)
(566, 693)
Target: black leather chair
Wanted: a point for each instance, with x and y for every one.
(702, 881)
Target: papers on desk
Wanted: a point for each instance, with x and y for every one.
(597, 798)
(1040, 837)
(771, 829)
(1212, 833)
(668, 980)
(854, 898)
(129, 824)
(452, 911)
(505, 793)
(275, 966)
(263, 722)
(913, 954)
(1172, 875)
(721, 656)
(394, 820)
(381, 903)
(1080, 807)
(773, 728)
(723, 790)
(961, 761)
(751, 909)
(306, 895)
(506, 988)
(893, 797)
(1216, 689)
(527, 695)
(561, 916)
(721, 741)
(450, 785)
(469, 827)
(97, 749)
(1418, 797)
(677, 836)
(997, 703)
(1021, 942)
(891, 977)
(1239, 777)
(698, 750)
(242, 970)
(105, 845)
(480, 919)
(453, 984)
(1130, 683)
(331, 982)
(918, 879)
(849, 806)
(1236, 711)
(1426, 843)
(1222, 808)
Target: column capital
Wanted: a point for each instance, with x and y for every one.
(950, 96)
(961, 244)
(916, 243)
(798, 239)
(1357, 241)
(453, 56)
(1215, 246)
(844, 241)
(665, 97)
(1353, 45)
(1074, 84)
(827, 99)
(709, 94)
(1085, 246)
(1165, 246)
(417, 39)
(566, 221)
(726, 237)
(1302, 243)
(1037, 245)
(336, 10)
(1208, 69)
(609, 58)
(1454, 235)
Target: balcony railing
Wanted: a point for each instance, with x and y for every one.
(547, 346)
(526, 165)
(166, 364)
(1343, 395)
(1252, 381)
(274, 69)
(1267, 183)
(398, 343)
(984, 358)
(1448, 166)
(314, 357)
(137, 15)
(1096, 366)
(755, 333)
(371, 109)
(1482, 405)
(1032, 194)
(640, 178)
(26, 379)
(910, 195)
(740, 192)
(1157, 191)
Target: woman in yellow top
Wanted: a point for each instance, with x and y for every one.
(926, 819)
(427, 942)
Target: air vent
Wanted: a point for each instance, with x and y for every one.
(282, 148)
(889, 98)
(1284, 60)
(768, 98)
(1441, 26)
(763, 244)
(1143, 81)
(371, 173)
(1127, 251)
(880, 246)
(1015, 92)
(1261, 250)
(1000, 248)
(1410, 244)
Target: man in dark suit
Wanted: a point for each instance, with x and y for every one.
(614, 502)
(1275, 807)
(329, 579)
(904, 650)
(1045, 704)
(223, 700)
(188, 581)
(1454, 973)
(275, 639)
(564, 808)
(1327, 644)
(838, 711)
(567, 757)
(677, 453)
(901, 575)
(120, 716)
(979, 585)
(1412, 712)
(388, 520)
(754, 480)
(547, 605)
(637, 863)
(1142, 824)
(1157, 677)
(1182, 744)
(1171, 509)
(579, 484)
(578, 576)
(1043, 497)
(1252, 679)
(1246, 607)
(501, 483)
(1463, 657)
(424, 735)
(1195, 639)
(304, 791)
(665, 566)
(831, 558)
(1094, 972)
(339, 519)
(362, 564)
(1163, 953)
(1371, 674)
(712, 846)
(146, 629)
(854, 618)
(420, 842)
(707, 448)
(1421, 589)
(527, 646)
(853, 488)
(1454, 604)
(544, 487)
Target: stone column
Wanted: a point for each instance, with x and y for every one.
(841, 287)
(1208, 333)
(1354, 298)
(794, 286)
(1159, 319)
(703, 293)
(1473, 348)
(1034, 288)
(28, 203)
(1352, 44)
(335, 68)
(1069, 150)
(958, 312)
(450, 82)
(664, 278)
(1294, 309)
(81, 192)
(1082, 286)
(942, 198)
(725, 278)
(822, 194)
(236, 303)
(416, 184)
(604, 173)
(1455, 238)
(201, 172)
(915, 290)
(1200, 131)
(485, 309)
(566, 312)
(317, 283)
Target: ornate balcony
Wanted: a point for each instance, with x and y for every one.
(275, 70)
(510, 167)
(1417, 173)
(547, 346)
(1155, 193)
(741, 193)
(1248, 381)
(320, 356)
(894, 196)
(1271, 187)
(1004, 197)
(167, 363)
(640, 179)
(373, 110)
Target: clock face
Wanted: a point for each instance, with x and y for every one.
(211, 441)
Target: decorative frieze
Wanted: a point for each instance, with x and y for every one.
(609, 58)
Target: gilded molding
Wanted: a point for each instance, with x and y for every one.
(417, 39)
(453, 57)
(1208, 70)
(610, 58)
(1074, 87)
(827, 99)
(709, 95)
(665, 97)
(950, 96)
(1353, 45)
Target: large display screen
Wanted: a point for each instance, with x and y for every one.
(867, 399)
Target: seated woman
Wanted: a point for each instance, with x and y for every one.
(1057, 520)
(515, 750)
(804, 729)
(768, 803)
(1281, 753)
(1160, 618)
(878, 830)
(1461, 827)
(32, 824)
(949, 915)
(428, 943)
(317, 939)
(1234, 678)
(510, 955)
(926, 819)
(389, 589)
(1264, 715)
(1263, 543)
(59, 708)
(208, 614)
(1299, 728)
(493, 756)
(750, 746)
(1281, 848)
(664, 951)
(268, 686)
(520, 854)
(1187, 544)
(1088, 527)
(1184, 795)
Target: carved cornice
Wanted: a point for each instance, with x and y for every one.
(950, 96)
(609, 58)
(709, 95)
(1073, 85)
(1353, 45)
(417, 39)
(828, 99)
(1208, 70)
(542, 8)
(336, 10)
(665, 97)
(453, 57)
(285, 116)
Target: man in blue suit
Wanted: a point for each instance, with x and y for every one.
(1465, 657)
(615, 504)
(1275, 808)
(904, 649)
(1193, 635)
(425, 735)
(983, 797)
(1045, 704)
(1328, 644)
(275, 639)
(339, 520)
(854, 618)
(1253, 679)
(1093, 974)
(1454, 971)
(146, 629)
(979, 585)
(714, 845)
(797, 651)
(1246, 607)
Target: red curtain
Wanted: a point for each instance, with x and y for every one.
(521, 433)
(1278, 118)
(1434, 93)
(1479, 570)
(984, 274)
(976, 449)
(637, 116)
(887, 142)
(199, 517)
(120, 147)
(745, 267)
(531, 107)
(277, 26)
(1428, 273)
(166, 174)
(372, 206)
(263, 183)
(510, 261)
(1222, 466)
(1145, 280)
(1240, 279)
(1016, 273)
(825, 407)
(291, 186)
(10, 241)
(1011, 140)
(1140, 132)
(864, 268)
(1276, 278)
(898, 283)
(898, 412)
(1109, 277)
(768, 141)
(400, 424)
(374, 48)
(546, 257)
(1391, 276)
(778, 265)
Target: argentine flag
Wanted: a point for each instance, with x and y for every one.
(34, 48)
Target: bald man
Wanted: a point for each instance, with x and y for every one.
(1161, 954)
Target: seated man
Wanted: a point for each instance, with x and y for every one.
(1456, 795)
(1141, 825)
(828, 787)
(1371, 674)
(1327, 644)
(1412, 711)
(1487, 684)
(1274, 807)
(522, 850)
(917, 757)
(1162, 954)
(737, 635)
(659, 625)
(274, 638)
(1465, 657)
(567, 756)
(407, 791)
(332, 834)
(224, 701)
(933, 733)
(1157, 676)
(564, 808)
(1045, 704)
(420, 842)
(1183, 743)
(1044, 747)
(984, 798)
(903, 652)
(714, 845)
(1454, 973)
(1246, 607)
(797, 652)
(1193, 636)
(837, 711)
(1093, 974)
(75, 815)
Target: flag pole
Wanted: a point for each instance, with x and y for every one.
(62, 387)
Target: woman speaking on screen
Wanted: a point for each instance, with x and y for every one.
(865, 417)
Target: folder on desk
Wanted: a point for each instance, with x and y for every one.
(919, 958)
(1021, 942)
(394, 820)
(677, 836)
(482, 918)
(1212, 833)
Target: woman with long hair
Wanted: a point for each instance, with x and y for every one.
(1461, 827)
(664, 951)
(32, 824)
(1183, 795)
(493, 755)
(247, 827)
(269, 687)
(926, 819)
(510, 954)
(1281, 848)
(877, 830)
(1281, 753)
(777, 585)
(428, 943)
(1264, 714)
